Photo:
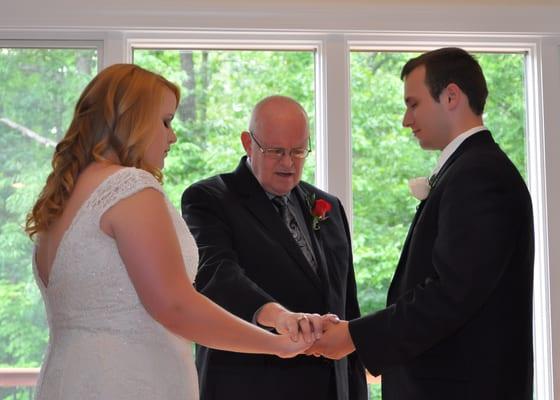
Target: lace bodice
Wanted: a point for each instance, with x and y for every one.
(93, 309)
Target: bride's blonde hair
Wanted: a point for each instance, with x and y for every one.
(117, 113)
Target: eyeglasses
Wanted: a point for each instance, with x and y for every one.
(279, 152)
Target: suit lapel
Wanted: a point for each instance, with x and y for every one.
(255, 200)
(479, 138)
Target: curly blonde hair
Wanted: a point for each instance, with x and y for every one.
(116, 112)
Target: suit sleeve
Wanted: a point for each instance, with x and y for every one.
(219, 277)
(477, 229)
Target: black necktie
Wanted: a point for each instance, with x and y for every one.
(289, 219)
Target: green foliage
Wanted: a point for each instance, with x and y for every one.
(505, 107)
(375, 392)
(39, 90)
(23, 327)
(16, 393)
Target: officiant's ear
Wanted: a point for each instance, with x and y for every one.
(246, 141)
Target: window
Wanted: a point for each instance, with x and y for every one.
(41, 81)
(385, 155)
(40, 87)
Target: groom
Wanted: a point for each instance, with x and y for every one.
(458, 318)
(266, 252)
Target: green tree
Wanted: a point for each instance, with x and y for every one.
(39, 89)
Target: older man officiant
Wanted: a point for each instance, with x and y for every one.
(275, 251)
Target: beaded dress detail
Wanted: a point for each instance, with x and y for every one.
(103, 344)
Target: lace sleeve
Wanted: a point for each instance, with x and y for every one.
(122, 184)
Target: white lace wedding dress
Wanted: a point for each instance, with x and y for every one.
(103, 344)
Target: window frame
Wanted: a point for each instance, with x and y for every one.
(25, 378)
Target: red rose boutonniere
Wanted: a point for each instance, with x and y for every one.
(319, 209)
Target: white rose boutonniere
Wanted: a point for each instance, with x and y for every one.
(419, 187)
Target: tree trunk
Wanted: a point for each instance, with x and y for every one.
(187, 110)
(205, 75)
(83, 63)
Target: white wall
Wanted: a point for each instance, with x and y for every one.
(536, 21)
(433, 15)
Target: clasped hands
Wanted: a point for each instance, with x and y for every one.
(327, 335)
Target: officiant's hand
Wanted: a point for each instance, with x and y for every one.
(308, 326)
(335, 343)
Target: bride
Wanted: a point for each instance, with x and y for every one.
(114, 260)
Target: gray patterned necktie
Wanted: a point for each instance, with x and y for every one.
(281, 202)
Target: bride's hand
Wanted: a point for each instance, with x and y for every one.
(287, 348)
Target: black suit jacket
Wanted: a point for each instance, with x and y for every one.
(458, 324)
(248, 258)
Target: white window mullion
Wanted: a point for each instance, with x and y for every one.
(542, 148)
(333, 109)
(115, 50)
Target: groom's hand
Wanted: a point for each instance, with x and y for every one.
(335, 343)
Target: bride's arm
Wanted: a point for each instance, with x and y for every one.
(148, 245)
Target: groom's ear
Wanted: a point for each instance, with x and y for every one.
(246, 142)
(452, 96)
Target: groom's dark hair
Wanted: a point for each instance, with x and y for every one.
(452, 65)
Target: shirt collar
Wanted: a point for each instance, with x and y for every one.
(454, 145)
